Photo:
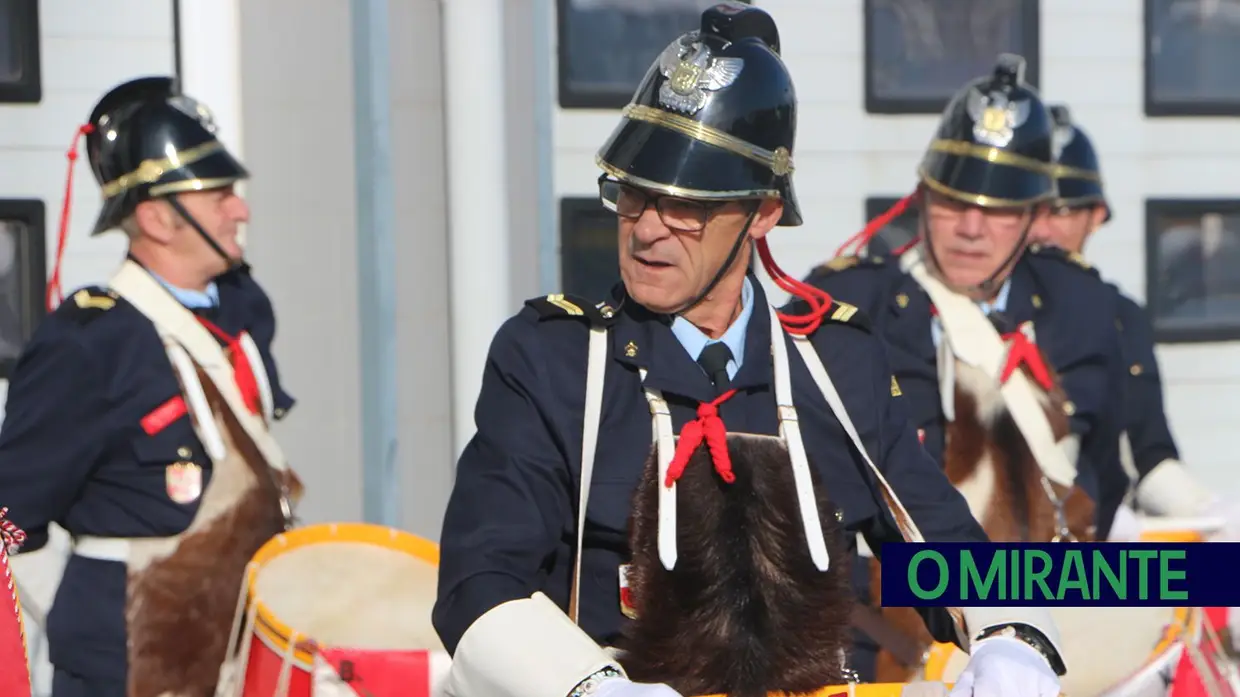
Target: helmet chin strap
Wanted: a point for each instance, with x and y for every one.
(996, 279)
(180, 209)
(723, 269)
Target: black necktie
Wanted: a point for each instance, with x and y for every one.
(714, 360)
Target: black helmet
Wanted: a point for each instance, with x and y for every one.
(715, 116)
(149, 140)
(1077, 173)
(993, 146)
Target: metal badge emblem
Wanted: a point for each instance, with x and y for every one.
(183, 482)
(627, 607)
(691, 72)
(995, 119)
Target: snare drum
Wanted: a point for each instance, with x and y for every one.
(14, 664)
(1108, 650)
(339, 609)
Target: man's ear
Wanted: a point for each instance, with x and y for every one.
(154, 221)
(769, 213)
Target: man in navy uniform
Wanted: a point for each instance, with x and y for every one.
(970, 282)
(698, 172)
(105, 434)
(1163, 486)
(1157, 482)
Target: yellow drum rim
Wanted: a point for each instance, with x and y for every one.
(275, 633)
(1172, 536)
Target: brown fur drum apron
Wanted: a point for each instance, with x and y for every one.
(182, 591)
(745, 611)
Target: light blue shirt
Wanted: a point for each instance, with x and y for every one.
(694, 340)
(999, 305)
(193, 299)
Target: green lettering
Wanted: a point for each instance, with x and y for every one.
(1038, 577)
(1166, 574)
(970, 578)
(1069, 579)
(1143, 570)
(1015, 558)
(915, 586)
(1119, 584)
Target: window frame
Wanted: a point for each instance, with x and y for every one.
(32, 264)
(1031, 28)
(573, 211)
(1155, 208)
(569, 98)
(1163, 108)
(29, 88)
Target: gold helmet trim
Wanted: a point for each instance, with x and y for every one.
(149, 171)
(779, 160)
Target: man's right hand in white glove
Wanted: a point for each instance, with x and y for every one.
(622, 687)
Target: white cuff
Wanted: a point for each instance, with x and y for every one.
(1169, 490)
(979, 619)
(523, 648)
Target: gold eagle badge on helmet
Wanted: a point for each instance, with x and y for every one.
(691, 72)
(995, 119)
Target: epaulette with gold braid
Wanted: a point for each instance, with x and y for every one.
(845, 262)
(1053, 252)
(88, 304)
(559, 305)
(845, 313)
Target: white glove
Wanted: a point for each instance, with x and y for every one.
(623, 687)
(1006, 667)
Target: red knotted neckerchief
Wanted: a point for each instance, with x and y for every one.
(706, 427)
(243, 372)
(1020, 350)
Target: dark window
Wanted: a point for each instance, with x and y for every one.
(589, 262)
(1192, 257)
(606, 46)
(894, 235)
(918, 53)
(19, 52)
(1192, 48)
(23, 276)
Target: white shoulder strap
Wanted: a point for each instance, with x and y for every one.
(176, 324)
(596, 370)
(908, 527)
(974, 340)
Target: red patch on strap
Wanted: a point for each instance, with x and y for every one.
(163, 415)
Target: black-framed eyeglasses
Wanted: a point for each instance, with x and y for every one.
(681, 214)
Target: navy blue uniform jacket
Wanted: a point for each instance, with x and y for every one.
(1073, 314)
(1144, 417)
(509, 529)
(73, 450)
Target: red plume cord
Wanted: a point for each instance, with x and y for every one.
(854, 244)
(53, 283)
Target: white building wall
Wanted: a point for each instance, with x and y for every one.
(1092, 60)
